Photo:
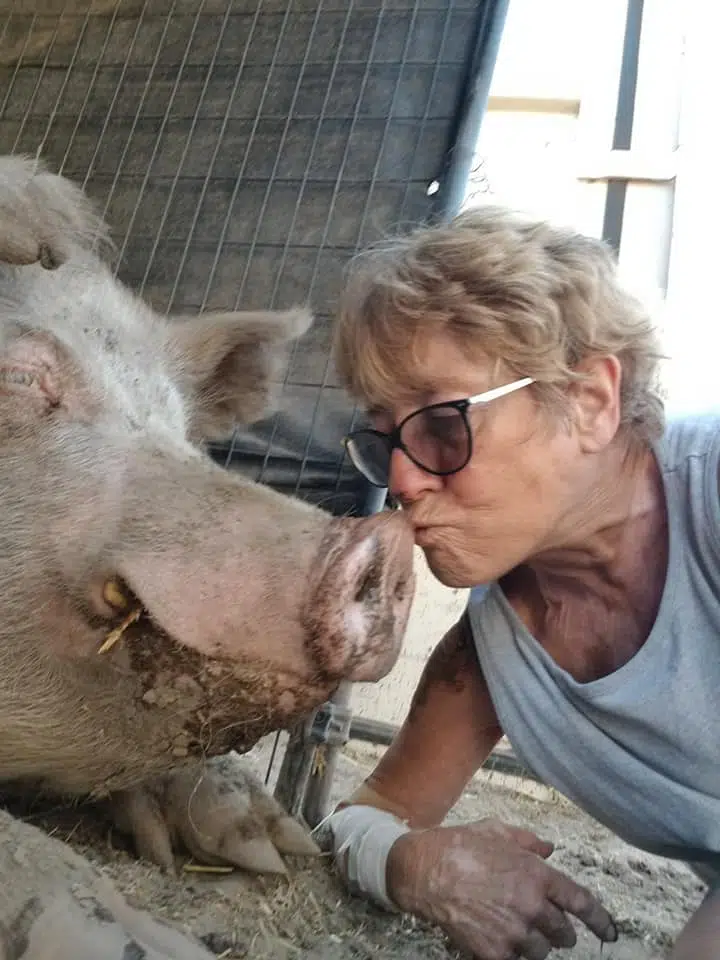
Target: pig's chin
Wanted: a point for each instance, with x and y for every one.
(203, 706)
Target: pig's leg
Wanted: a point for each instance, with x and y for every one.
(219, 813)
(44, 216)
(55, 906)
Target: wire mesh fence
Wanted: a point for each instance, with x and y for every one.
(243, 150)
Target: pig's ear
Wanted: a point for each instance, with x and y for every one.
(227, 364)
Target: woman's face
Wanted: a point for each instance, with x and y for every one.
(524, 487)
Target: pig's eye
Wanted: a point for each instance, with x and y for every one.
(21, 377)
(37, 379)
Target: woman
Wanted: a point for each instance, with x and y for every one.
(511, 385)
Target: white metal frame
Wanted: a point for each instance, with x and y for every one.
(692, 328)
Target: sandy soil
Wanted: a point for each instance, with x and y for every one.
(309, 917)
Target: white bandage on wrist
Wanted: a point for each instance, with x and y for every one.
(365, 834)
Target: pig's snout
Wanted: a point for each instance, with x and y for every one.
(360, 598)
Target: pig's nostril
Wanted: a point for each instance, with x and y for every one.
(47, 257)
(368, 589)
(116, 594)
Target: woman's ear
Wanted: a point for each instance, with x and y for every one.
(596, 401)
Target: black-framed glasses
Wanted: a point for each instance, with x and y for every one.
(437, 438)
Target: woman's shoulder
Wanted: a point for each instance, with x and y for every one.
(689, 457)
(483, 608)
(689, 436)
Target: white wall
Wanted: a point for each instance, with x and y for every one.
(434, 610)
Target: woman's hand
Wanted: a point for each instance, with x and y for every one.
(487, 885)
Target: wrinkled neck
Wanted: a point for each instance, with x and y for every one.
(614, 513)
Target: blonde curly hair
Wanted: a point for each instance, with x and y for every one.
(535, 297)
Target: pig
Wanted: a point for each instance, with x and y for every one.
(158, 614)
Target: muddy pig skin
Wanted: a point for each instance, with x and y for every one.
(231, 610)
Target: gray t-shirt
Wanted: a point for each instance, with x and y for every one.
(639, 749)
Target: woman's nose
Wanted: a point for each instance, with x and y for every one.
(407, 481)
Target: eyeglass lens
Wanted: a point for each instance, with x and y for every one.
(437, 439)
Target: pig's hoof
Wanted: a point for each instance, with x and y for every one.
(219, 813)
(55, 906)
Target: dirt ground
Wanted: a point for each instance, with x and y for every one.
(309, 917)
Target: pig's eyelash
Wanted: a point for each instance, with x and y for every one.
(23, 377)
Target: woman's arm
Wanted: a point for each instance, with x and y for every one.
(487, 884)
(449, 732)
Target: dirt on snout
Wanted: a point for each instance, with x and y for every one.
(308, 916)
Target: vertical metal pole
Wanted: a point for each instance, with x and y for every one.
(622, 137)
(460, 155)
(295, 771)
(324, 764)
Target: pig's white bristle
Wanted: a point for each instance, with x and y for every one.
(356, 627)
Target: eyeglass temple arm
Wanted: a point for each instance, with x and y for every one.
(496, 392)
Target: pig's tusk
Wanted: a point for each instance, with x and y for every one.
(114, 595)
(115, 634)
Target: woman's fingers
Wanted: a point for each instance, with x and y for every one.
(578, 901)
(535, 947)
(532, 843)
(523, 838)
(556, 927)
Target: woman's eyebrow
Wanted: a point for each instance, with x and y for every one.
(420, 394)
